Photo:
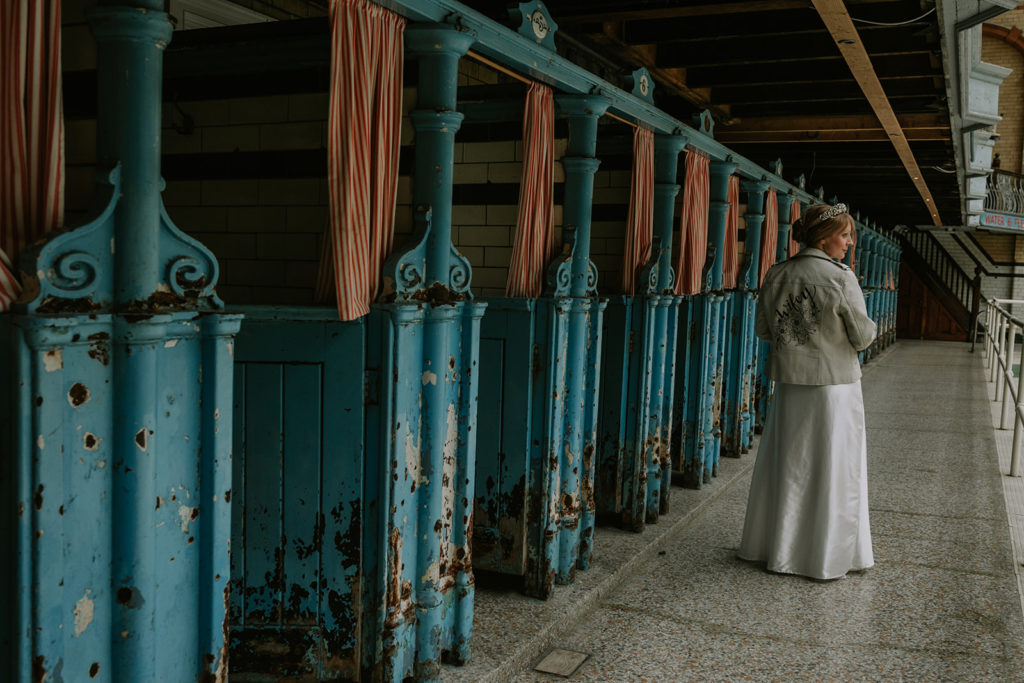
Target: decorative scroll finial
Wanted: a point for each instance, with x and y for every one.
(776, 167)
(801, 181)
(535, 23)
(707, 275)
(705, 123)
(75, 271)
(649, 274)
(641, 84)
(558, 278)
(405, 271)
(820, 193)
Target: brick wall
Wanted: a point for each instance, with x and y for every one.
(246, 176)
(1000, 248)
(1011, 94)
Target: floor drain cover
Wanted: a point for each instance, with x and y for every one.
(561, 662)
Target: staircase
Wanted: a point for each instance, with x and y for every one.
(935, 294)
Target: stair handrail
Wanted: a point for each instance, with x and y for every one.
(944, 267)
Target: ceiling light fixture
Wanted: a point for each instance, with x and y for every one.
(847, 41)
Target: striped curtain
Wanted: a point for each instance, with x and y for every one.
(794, 214)
(730, 259)
(362, 153)
(693, 225)
(9, 287)
(769, 234)
(852, 253)
(31, 131)
(640, 223)
(535, 232)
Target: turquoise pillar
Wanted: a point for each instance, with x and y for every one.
(122, 420)
(739, 432)
(662, 307)
(762, 389)
(706, 358)
(785, 227)
(576, 310)
(535, 515)
(427, 351)
(869, 284)
(717, 215)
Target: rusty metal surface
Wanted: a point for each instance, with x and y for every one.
(423, 609)
(298, 496)
(121, 463)
(536, 498)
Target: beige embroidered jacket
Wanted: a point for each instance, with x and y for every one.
(812, 311)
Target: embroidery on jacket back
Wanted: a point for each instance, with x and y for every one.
(798, 318)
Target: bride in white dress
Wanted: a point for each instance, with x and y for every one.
(807, 512)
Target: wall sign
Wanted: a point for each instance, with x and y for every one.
(1002, 220)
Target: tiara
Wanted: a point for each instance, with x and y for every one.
(831, 212)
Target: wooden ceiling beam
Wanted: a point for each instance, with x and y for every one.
(710, 9)
(791, 124)
(837, 19)
(808, 36)
(832, 91)
(911, 105)
(750, 49)
(756, 137)
(795, 71)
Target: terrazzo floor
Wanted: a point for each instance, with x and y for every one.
(674, 603)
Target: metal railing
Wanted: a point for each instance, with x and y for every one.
(1001, 330)
(1004, 193)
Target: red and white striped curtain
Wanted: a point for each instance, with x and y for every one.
(9, 287)
(769, 235)
(730, 259)
(640, 223)
(693, 225)
(535, 227)
(363, 127)
(794, 215)
(31, 131)
(853, 252)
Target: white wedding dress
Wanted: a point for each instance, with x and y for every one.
(807, 512)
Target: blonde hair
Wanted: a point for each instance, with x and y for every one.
(809, 230)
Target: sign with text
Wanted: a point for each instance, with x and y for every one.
(1001, 220)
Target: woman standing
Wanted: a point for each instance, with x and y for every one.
(807, 512)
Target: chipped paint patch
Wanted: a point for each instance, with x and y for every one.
(231, 348)
(40, 442)
(412, 458)
(83, 613)
(432, 574)
(91, 442)
(170, 343)
(53, 360)
(429, 378)
(185, 516)
(448, 463)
